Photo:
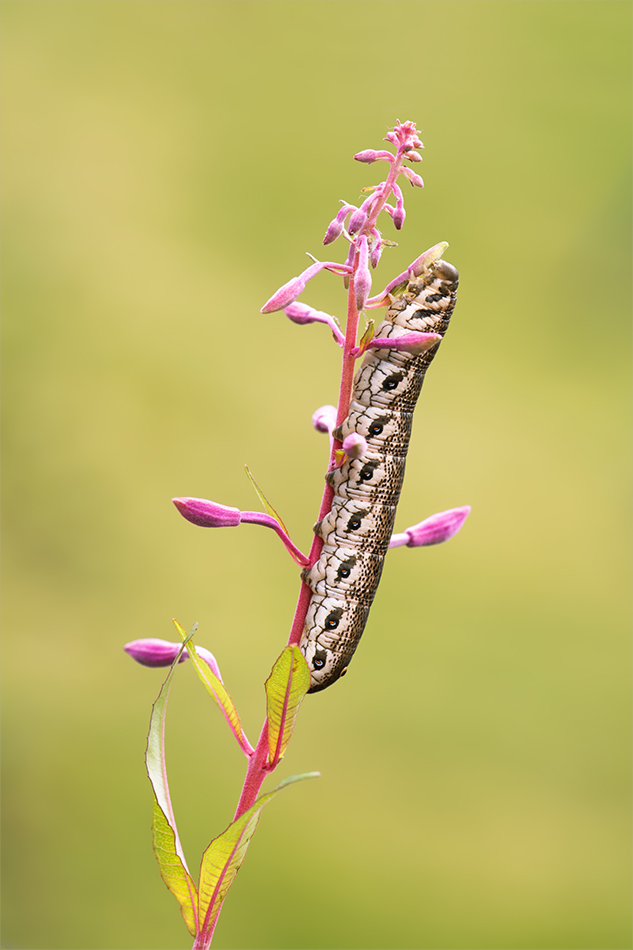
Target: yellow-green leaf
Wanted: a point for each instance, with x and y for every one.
(172, 870)
(286, 686)
(217, 690)
(223, 858)
(167, 847)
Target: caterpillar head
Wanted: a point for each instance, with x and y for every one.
(324, 664)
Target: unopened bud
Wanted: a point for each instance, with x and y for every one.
(324, 418)
(357, 221)
(368, 155)
(362, 277)
(412, 342)
(413, 156)
(354, 445)
(207, 514)
(376, 249)
(415, 180)
(153, 652)
(438, 528)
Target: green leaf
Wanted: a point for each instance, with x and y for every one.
(172, 869)
(223, 858)
(216, 689)
(262, 497)
(167, 847)
(286, 686)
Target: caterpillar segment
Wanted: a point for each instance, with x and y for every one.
(357, 530)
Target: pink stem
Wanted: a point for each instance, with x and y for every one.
(258, 765)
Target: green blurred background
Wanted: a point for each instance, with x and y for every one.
(167, 164)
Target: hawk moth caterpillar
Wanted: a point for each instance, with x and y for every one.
(357, 530)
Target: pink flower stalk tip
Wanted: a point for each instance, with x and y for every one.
(354, 446)
(433, 530)
(404, 135)
(413, 156)
(208, 514)
(324, 419)
(362, 277)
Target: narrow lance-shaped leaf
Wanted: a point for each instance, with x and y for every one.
(172, 868)
(167, 847)
(224, 856)
(217, 690)
(262, 497)
(286, 686)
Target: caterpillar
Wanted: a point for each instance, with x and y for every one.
(357, 530)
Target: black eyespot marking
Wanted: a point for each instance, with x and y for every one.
(332, 619)
(346, 568)
(354, 523)
(375, 428)
(367, 472)
(391, 382)
(318, 663)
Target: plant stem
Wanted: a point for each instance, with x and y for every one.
(258, 769)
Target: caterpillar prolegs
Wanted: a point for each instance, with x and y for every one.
(357, 530)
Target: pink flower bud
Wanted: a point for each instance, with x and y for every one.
(324, 418)
(362, 277)
(415, 180)
(368, 155)
(207, 514)
(335, 227)
(413, 156)
(413, 342)
(376, 249)
(302, 314)
(293, 288)
(357, 221)
(398, 217)
(153, 652)
(354, 445)
(334, 230)
(438, 528)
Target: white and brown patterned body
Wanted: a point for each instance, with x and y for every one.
(357, 531)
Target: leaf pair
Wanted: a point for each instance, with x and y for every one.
(221, 861)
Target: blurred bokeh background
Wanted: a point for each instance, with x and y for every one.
(166, 167)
